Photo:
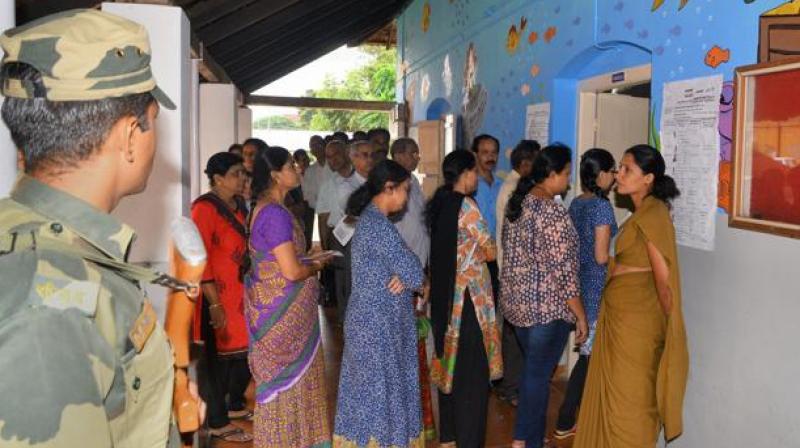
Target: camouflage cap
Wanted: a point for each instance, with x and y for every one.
(82, 54)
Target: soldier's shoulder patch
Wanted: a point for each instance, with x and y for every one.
(65, 293)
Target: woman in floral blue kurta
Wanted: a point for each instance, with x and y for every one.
(379, 397)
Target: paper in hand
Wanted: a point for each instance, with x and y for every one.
(344, 231)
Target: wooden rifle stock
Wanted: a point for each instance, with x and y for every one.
(187, 263)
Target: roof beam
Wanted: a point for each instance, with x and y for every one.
(345, 25)
(304, 49)
(244, 18)
(318, 103)
(273, 29)
(206, 12)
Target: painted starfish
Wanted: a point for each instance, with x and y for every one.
(657, 4)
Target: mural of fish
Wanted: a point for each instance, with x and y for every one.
(512, 42)
(717, 56)
(533, 37)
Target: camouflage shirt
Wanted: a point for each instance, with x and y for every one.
(83, 361)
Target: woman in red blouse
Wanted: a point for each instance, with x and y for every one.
(219, 317)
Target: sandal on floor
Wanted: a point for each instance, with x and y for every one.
(244, 414)
(235, 435)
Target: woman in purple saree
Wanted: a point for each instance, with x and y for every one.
(285, 354)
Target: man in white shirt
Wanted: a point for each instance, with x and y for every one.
(338, 166)
(360, 153)
(412, 224)
(317, 173)
(522, 158)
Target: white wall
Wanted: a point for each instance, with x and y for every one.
(218, 116)
(742, 305)
(244, 124)
(8, 152)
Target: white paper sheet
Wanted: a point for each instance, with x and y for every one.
(344, 231)
(690, 146)
(537, 123)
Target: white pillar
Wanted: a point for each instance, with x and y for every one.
(8, 152)
(244, 124)
(217, 121)
(167, 193)
(196, 175)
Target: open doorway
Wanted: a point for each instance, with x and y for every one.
(614, 114)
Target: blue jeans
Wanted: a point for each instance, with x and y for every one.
(542, 346)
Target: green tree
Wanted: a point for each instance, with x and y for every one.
(374, 81)
(276, 122)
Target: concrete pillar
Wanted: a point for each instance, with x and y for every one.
(167, 193)
(218, 116)
(244, 124)
(8, 152)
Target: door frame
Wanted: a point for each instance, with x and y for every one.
(587, 90)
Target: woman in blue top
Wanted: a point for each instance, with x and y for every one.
(379, 396)
(593, 217)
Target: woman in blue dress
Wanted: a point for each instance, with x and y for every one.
(593, 217)
(379, 397)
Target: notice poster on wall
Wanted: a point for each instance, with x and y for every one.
(690, 146)
(537, 123)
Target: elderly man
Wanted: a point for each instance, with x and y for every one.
(360, 153)
(412, 224)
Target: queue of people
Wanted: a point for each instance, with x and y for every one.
(501, 268)
(70, 292)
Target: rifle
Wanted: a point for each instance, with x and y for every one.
(187, 262)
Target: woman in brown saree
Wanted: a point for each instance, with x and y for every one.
(637, 373)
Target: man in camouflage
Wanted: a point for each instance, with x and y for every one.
(83, 361)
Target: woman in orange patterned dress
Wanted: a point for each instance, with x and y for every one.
(465, 332)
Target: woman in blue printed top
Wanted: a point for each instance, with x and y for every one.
(593, 217)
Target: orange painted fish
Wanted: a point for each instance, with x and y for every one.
(550, 34)
(426, 17)
(657, 4)
(535, 69)
(533, 37)
(512, 42)
(717, 56)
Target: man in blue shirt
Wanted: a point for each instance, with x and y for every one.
(487, 150)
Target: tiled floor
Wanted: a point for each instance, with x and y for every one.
(501, 415)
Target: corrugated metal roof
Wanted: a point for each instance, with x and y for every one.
(259, 41)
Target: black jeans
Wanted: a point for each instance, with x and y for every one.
(222, 380)
(462, 413)
(572, 399)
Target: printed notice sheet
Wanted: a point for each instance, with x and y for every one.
(537, 123)
(690, 146)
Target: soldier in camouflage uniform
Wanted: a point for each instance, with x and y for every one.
(83, 361)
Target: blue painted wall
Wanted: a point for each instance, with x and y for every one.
(740, 301)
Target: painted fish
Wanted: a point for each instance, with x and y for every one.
(533, 37)
(717, 56)
(523, 23)
(657, 4)
(550, 34)
(512, 41)
(426, 17)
